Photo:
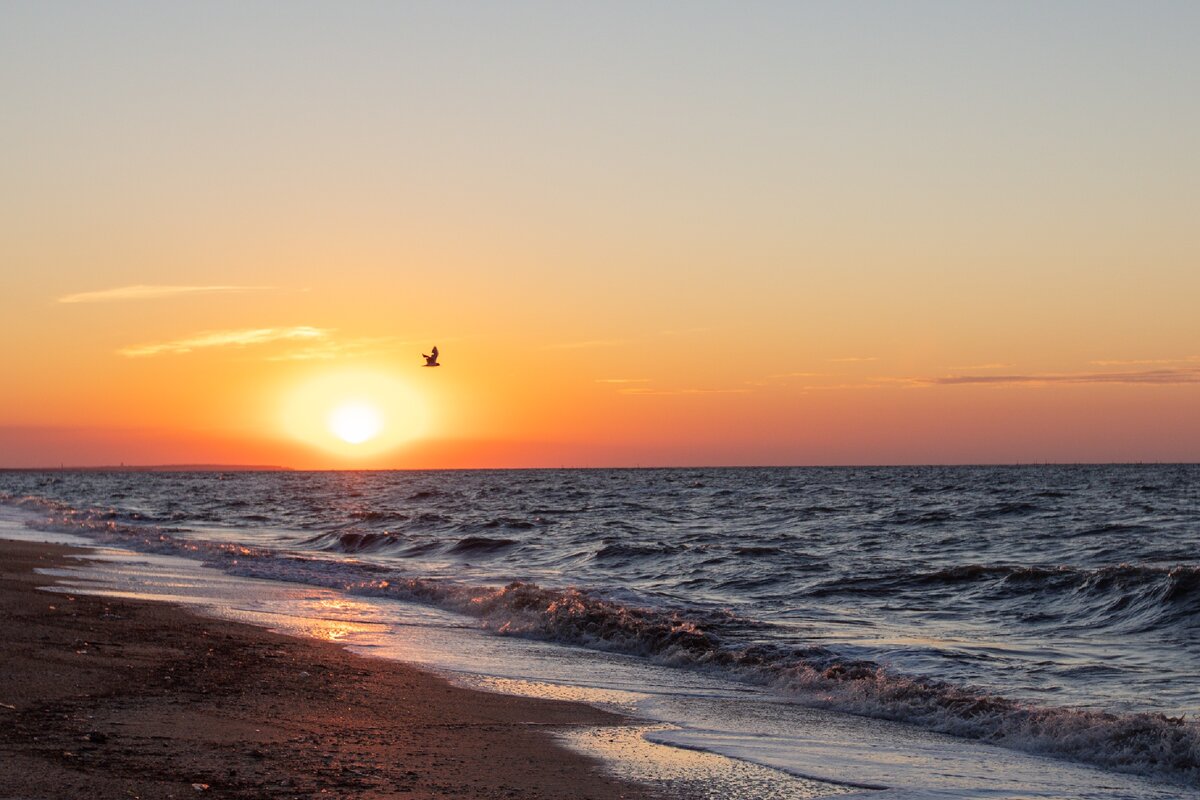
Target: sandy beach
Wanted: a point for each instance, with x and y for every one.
(117, 698)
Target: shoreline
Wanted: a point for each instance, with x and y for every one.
(133, 698)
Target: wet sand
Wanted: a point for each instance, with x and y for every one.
(117, 698)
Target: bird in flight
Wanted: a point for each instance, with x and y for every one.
(431, 360)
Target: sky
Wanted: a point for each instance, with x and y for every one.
(658, 233)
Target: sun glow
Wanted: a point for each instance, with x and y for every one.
(355, 422)
(354, 413)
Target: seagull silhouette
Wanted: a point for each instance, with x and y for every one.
(431, 359)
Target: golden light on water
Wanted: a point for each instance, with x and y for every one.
(354, 413)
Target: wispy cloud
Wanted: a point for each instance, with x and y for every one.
(1152, 377)
(585, 344)
(1143, 361)
(851, 359)
(236, 338)
(143, 292)
(797, 375)
(985, 366)
(622, 380)
(646, 391)
(875, 383)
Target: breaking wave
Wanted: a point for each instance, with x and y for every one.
(691, 637)
(353, 541)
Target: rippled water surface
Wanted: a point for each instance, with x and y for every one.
(1053, 609)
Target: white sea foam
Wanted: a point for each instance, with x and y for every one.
(1147, 744)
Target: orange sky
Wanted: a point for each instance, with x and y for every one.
(696, 236)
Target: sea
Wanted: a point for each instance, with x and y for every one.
(899, 632)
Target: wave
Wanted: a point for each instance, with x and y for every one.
(418, 549)
(1126, 595)
(1139, 743)
(370, 515)
(504, 523)
(353, 541)
(429, 519)
(757, 550)
(1008, 509)
(480, 544)
(634, 550)
(1123, 597)
(1115, 527)
(1148, 744)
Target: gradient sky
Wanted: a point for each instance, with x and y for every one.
(642, 233)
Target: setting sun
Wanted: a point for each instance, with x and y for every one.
(354, 413)
(355, 422)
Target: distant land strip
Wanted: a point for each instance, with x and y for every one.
(157, 468)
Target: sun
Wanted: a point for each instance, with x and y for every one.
(355, 422)
(354, 413)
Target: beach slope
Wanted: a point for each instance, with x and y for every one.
(117, 698)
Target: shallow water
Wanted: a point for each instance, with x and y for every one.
(1051, 610)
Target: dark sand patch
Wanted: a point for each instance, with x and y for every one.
(127, 699)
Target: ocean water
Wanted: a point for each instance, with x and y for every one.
(983, 622)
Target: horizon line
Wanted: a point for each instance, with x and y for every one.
(280, 468)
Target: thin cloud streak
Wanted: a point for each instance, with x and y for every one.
(877, 383)
(644, 392)
(236, 338)
(1154, 377)
(853, 359)
(1138, 361)
(622, 380)
(144, 292)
